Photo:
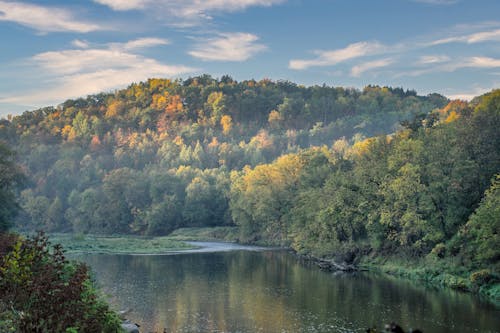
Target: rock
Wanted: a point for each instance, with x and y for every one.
(123, 314)
(330, 265)
(129, 327)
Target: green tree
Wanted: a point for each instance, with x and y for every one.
(10, 179)
(479, 239)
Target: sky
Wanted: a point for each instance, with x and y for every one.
(53, 50)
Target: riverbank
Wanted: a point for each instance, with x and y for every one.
(185, 240)
(436, 273)
(118, 244)
(206, 234)
(482, 282)
(440, 274)
(433, 273)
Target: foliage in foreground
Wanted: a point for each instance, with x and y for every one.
(41, 291)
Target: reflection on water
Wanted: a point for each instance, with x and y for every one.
(270, 291)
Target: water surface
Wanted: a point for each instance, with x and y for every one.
(271, 292)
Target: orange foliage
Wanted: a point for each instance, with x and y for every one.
(452, 117)
(452, 110)
(227, 124)
(95, 143)
(157, 84)
(179, 141)
(214, 143)
(159, 101)
(175, 107)
(54, 115)
(362, 147)
(115, 108)
(68, 133)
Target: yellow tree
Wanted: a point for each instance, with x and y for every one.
(227, 124)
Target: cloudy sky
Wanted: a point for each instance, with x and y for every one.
(52, 50)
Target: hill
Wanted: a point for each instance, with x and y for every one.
(158, 155)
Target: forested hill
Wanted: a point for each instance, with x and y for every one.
(163, 154)
(430, 191)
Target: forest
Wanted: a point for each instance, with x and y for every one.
(327, 171)
(159, 155)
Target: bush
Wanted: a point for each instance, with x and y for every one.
(46, 293)
(439, 250)
(481, 277)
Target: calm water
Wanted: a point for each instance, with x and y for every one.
(269, 291)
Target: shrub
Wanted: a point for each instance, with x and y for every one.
(46, 293)
(481, 277)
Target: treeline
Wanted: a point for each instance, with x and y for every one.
(159, 155)
(429, 190)
(40, 290)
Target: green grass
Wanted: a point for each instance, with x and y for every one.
(225, 234)
(118, 244)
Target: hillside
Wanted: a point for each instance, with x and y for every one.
(158, 155)
(423, 202)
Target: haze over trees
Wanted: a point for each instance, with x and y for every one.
(429, 189)
(327, 171)
(41, 291)
(158, 155)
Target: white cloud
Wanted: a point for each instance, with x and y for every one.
(463, 96)
(482, 62)
(144, 43)
(357, 70)
(236, 46)
(468, 95)
(124, 4)
(330, 58)
(471, 62)
(81, 44)
(79, 72)
(44, 19)
(186, 12)
(69, 62)
(454, 65)
(432, 59)
(482, 36)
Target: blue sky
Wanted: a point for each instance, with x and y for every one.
(53, 50)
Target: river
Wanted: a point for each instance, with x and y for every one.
(232, 288)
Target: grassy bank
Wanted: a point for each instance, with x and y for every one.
(439, 274)
(118, 244)
(128, 244)
(221, 234)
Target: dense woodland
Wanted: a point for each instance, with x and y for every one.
(429, 190)
(158, 155)
(325, 170)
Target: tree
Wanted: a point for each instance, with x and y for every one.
(11, 178)
(479, 239)
(45, 293)
(227, 124)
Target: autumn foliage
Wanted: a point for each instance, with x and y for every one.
(41, 291)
